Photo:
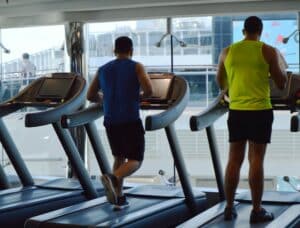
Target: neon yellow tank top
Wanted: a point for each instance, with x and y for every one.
(247, 76)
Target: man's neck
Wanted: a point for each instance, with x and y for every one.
(252, 37)
(123, 56)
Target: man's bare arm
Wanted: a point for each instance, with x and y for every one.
(277, 65)
(93, 93)
(144, 80)
(221, 77)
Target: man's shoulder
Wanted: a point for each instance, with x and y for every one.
(115, 64)
(225, 52)
(268, 49)
(268, 46)
(105, 65)
(226, 49)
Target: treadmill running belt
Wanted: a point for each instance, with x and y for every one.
(244, 210)
(101, 213)
(27, 195)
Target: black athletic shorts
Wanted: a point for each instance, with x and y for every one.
(250, 125)
(127, 140)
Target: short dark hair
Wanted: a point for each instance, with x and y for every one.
(25, 56)
(253, 24)
(123, 44)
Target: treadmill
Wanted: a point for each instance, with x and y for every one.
(54, 95)
(284, 205)
(11, 181)
(150, 205)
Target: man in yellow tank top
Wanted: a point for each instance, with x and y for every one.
(244, 69)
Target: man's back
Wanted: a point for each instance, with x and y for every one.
(120, 86)
(247, 76)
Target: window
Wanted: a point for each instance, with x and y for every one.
(204, 38)
(197, 43)
(39, 147)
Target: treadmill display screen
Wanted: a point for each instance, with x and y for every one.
(55, 88)
(161, 87)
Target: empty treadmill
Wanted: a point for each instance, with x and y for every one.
(55, 94)
(150, 205)
(284, 205)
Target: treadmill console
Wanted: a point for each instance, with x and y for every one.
(54, 89)
(289, 97)
(162, 92)
(49, 91)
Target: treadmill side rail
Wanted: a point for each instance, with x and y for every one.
(127, 219)
(206, 216)
(286, 218)
(39, 219)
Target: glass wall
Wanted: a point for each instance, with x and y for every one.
(204, 38)
(39, 146)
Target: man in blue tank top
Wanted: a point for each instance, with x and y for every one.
(117, 84)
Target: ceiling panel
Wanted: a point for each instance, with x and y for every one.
(31, 12)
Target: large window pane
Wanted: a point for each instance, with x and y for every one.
(39, 146)
(203, 38)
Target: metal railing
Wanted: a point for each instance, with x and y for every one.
(12, 82)
(201, 80)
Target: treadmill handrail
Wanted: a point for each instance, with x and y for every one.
(14, 156)
(206, 216)
(295, 122)
(208, 116)
(55, 114)
(165, 118)
(8, 108)
(137, 215)
(82, 117)
(287, 218)
(86, 117)
(4, 182)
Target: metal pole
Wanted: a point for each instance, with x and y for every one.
(210, 132)
(171, 43)
(169, 32)
(14, 156)
(206, 82)
(4, 183)
(299, 41)
(172, 71)
(74, 39)
(98, 148)
(76, 161)
(179, 163)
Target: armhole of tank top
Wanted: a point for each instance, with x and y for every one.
(135, 72)
(262, 54)
(114, 88)
(227, 54)
(98, 78)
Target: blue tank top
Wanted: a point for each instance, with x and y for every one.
(121, 89)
